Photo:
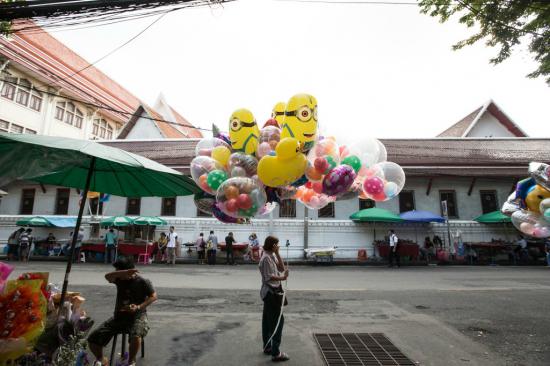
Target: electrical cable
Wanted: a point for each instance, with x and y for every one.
(109, 53)
(109, 108)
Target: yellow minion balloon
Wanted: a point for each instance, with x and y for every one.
(278, 113)
(301, 120)
(243, 131)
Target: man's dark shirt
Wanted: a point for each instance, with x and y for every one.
(133, 291)
(229, 240)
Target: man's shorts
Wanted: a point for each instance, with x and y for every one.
(135, 328)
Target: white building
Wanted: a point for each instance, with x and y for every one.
(48, 89)
(473, 165)
(474, 175)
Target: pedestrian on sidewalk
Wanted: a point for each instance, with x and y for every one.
(547, 248)
(134, 295)
(201, 248)
(211, 247)
(394, 253)
(171, 246)
(110, 246)
(13, 244)
(273, 271)
(229, 241)
(25, 242)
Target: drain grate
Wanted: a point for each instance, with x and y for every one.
(361, 349)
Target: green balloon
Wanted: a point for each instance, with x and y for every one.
(331, 162)
(250, 212)
(216, 178)
(353, 161)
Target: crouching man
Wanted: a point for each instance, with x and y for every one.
(134, 295)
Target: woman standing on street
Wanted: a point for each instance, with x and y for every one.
(273, 272)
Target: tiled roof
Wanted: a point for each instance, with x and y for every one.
(43, 55)
(465, 125)
(168, 130)
(187, 127)
(419, 157)
(459, 128)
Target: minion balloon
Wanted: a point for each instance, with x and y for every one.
(243, 131)
(301, 120)
(278, 113)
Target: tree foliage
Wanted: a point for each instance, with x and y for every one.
(5, 26)
(503, 24)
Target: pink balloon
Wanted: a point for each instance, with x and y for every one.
(373, 186)
(263, 149)
(205, 152)
(321, 164)
(526, 228)
(314, 201)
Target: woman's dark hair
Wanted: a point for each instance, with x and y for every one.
(270, 242)
(162, 234)
(124, 263)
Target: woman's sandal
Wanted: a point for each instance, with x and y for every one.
(281, 358)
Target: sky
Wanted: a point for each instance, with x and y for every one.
(383, 71)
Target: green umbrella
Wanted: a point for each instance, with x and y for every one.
(375, 215)
(150, 220)
(495, 217)
(116, 221)
(86, 165)
(67, 162)
(35, 221)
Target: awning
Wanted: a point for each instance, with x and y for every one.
(48, 221)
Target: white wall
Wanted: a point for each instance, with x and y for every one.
(144, 129)
(43, 121)
(348, 236)
(489, 126)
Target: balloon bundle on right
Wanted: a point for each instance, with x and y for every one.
(529, 204)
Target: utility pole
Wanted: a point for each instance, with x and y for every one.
(306, 233)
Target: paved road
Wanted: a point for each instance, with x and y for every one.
(436, 315)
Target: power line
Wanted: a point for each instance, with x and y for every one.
(109, 53)
(109, 108)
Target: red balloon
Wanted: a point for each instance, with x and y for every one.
(321, 164)
(272, 122)
(244, 201)
(231, 205)
(317, 187)
(379, 197)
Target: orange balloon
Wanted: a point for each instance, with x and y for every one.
(313, 174)
(203, 179)
(308, 194)
(231, 192)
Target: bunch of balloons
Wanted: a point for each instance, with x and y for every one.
(529, 205)
(244, 173)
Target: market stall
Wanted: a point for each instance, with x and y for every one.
(239, 249)
(47, 244)
(405, 248)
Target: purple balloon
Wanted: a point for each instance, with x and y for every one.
(225, 137)
(338, 180)
(223, 217)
